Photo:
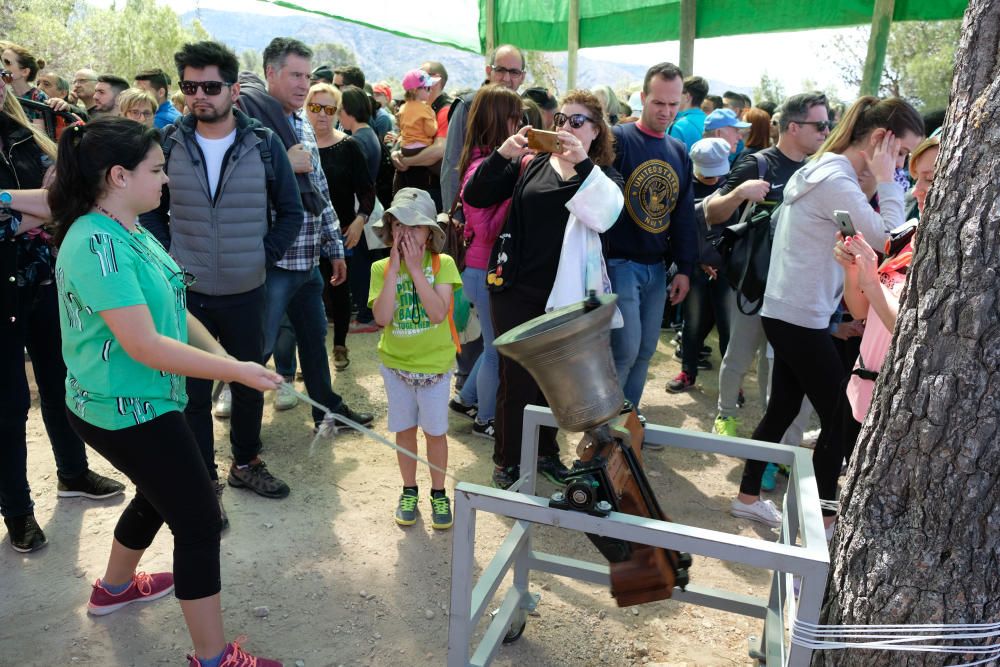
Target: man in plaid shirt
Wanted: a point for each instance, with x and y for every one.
(294, 284)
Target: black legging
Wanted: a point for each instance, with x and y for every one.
(806, 363)
(172, 485)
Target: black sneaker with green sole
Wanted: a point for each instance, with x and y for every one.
(406, 509)
(441, 517)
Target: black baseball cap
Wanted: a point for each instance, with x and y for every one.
(322, 72)
(541, 97)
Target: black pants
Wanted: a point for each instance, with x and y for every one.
(706, 305)
(172, 485)
(806, 363)
(35, 327)
(517, 388)
(828, 458)
(237, 321)
(337, 303)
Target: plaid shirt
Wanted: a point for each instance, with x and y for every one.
(320, 234)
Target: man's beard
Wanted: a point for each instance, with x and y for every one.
(211, 115)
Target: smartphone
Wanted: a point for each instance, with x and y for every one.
(544, 142)
(844, 223)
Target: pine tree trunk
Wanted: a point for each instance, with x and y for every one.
(919, 540)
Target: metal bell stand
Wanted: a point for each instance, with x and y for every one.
(802, 521)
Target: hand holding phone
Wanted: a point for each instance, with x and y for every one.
(544, 141)
(844, 223)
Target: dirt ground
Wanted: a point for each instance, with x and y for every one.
(344, 585)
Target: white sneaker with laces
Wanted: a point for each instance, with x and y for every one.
(285, 400)
(224, 405)
(763, 511)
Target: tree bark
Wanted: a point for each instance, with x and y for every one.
(919, 534)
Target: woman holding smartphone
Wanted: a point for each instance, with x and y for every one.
(805, 284)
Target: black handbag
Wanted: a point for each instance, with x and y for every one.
(745, 252)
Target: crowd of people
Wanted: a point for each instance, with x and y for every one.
(171, 244)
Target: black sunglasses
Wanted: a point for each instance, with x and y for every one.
(7, 76)
(329, 109)
(820, 125)
(210, 87)
(576, 121)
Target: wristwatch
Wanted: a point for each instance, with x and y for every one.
(6, 199)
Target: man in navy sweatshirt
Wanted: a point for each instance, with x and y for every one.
(657, 226)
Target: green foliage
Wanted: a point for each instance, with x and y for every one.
(252, 61)
(333, 54)
(71, 34)
(919, 60)
(769, 89)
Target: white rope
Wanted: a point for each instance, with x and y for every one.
(902, 638)
(328, 428)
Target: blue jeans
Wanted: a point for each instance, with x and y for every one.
(285, 363)
(706, 305)
(642, 293)
(300, 295)
(35, 327)
(481, 386)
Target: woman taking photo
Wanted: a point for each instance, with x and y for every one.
(495, 115)
(353, 197)
(805, 284)
(125, 332)
(30, 319)
(546, 193)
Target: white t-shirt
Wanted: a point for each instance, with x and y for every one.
(214, 151)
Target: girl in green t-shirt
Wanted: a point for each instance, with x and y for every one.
(129, 342)
(411, 297)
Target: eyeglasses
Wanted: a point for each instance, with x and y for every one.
(504, 71)
(328, 109)
(210, 87)
(820, 125)
(136, 114)
(7, 76)
(576, 121)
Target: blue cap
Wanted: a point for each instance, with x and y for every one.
(723, 118)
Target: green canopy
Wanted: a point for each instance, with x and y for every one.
(541, 25)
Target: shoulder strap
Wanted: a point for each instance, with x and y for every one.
(761, 165)
(265, 136)
(167, 143)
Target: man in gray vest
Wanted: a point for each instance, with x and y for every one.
(230, 210)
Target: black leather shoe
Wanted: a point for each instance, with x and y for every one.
(25, 533)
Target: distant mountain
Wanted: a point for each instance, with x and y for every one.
(383, 55)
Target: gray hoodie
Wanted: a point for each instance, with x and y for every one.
(804, 282)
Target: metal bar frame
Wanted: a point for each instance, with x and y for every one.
(802, 522)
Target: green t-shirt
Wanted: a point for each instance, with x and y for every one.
(102, 266)
(411, 342)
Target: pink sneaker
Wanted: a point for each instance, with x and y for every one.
(235, 656)
(143, 588)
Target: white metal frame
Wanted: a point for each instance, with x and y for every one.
(809, 560)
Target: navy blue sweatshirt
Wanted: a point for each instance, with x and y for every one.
(658, 221)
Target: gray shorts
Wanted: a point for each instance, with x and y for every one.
(409, 406)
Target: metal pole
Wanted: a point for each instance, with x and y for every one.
(491, 25)
(689, 15)
(572, 42)
(877, 42)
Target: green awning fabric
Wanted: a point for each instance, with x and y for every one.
(540, 25)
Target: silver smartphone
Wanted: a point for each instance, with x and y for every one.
(843, 219)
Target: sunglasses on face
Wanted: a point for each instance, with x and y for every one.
(328, 109)
(210, 87)
(7, 76)
(575, 121)
(820, 125)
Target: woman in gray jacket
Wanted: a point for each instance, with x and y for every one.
(805, 284)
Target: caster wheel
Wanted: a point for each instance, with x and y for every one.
(517, 626)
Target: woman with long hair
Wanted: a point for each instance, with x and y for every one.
(805, 284)
(129, 343)
(23, 68)
(547, 195)
(31, 321)
(495, 115)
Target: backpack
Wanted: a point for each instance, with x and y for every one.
(745, 249)
(264, 148)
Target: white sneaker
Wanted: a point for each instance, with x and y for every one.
(285, 400)
(763, 511)
(224, 405)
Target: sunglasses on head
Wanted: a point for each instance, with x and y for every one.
(328, 109)
(820, 125)
(210, 87)
(575, 121)
(7, 76)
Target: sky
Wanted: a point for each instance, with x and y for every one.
(792, 58)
